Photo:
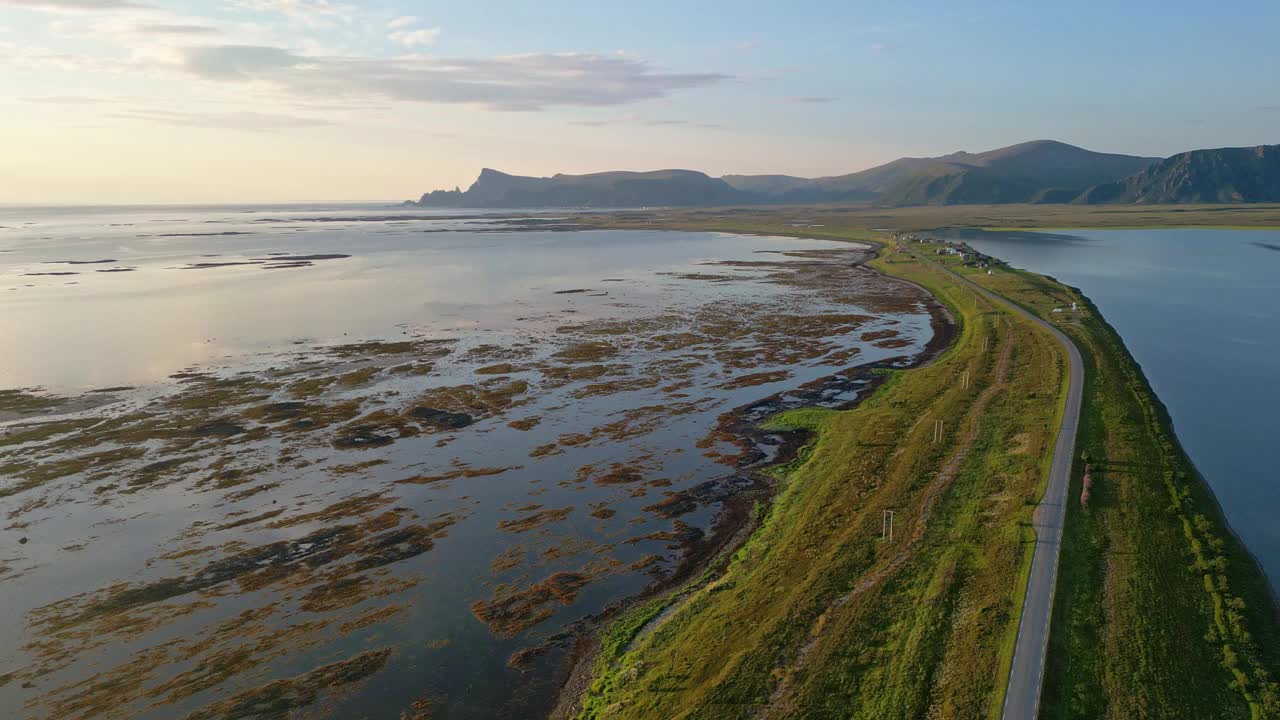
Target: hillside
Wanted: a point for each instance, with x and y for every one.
(790, 189)
(769, 184)
(1037, 172)
(1222, 175)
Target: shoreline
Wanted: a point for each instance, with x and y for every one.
(1167, 424)
(1170, 429)
(1109, 579)
(1248, 576)
(1106, 348)
(735, 523)
(220, 397)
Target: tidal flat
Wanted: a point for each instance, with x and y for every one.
(399, 472)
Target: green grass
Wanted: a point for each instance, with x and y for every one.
(1160, 611)
(800, 419)
(785, 627)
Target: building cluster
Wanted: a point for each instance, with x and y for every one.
(968, 256)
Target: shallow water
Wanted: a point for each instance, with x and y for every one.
(1200, 311)
(437, 442)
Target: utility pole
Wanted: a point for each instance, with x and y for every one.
(886, 525)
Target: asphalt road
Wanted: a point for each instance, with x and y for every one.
(1022, 698)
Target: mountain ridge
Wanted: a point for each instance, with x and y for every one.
(1016, 173)
(1037, 171)
(1215, 175)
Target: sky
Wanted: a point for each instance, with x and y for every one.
(146, 101)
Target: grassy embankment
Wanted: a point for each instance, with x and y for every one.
(815, 616)
(1160, 612)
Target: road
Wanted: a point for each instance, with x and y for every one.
(1022, 697)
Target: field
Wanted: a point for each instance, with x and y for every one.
(1160, 611)
(820, 615)
(840, 220)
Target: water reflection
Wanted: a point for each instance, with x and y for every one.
(407, 469)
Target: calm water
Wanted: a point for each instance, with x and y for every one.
(1200, 311)
(521, 456)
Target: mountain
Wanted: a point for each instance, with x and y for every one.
(495, 189)
(768, 184)
(1036, 171)
(1041, 171)
(1222, 175)
(791, 189)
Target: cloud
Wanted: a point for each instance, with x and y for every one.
(74, 5)
(410, 38)
(518, 82)
(237, 62)
(814, 99)
(403, 21)
(144, 40)
(254, 121)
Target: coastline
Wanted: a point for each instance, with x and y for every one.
(808, 601)
(1165, 418)
(1152, 638)
(738, 520)
(1193, 515)
(1170, 430)
(229, 397)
